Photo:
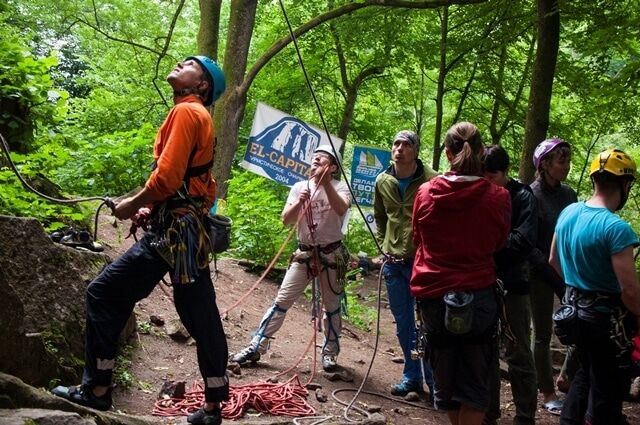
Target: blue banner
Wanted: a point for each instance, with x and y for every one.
(366, 165)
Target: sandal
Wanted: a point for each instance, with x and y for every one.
(554, 406)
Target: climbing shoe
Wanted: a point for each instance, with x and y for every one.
(205, 417)
(406, 387)
(84, 396)
(329, 362)
(246, 355)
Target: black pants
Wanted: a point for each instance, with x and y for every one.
(601, 383)
(112, 296)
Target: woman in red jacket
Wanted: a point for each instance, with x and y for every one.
(459, 221)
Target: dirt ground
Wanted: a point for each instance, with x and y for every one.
(156, 357)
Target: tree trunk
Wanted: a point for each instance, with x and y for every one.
(230, 107)
(442, 76)
(209, 28)
(537, 121)
(499, 94)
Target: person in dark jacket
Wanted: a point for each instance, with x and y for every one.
(552, 159)
(513, 269)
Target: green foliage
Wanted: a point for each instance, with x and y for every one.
(358, 237)
(109, 55)
(51, 339)
(111, 164)
(145, 387)
(26, 87)
(147, 328)
(122, 375)
(358, 313)
(16, 201)
(255, 210)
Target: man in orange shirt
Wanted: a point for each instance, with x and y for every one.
(179, 191)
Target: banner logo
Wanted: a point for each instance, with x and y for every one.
(366, 165)
(281, 146)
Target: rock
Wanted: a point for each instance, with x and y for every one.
(373, 408)
(375, 419)
(177, 331)
(172, 389)
(400, 411)
(156, 320)
(397, 359)
(311, 386)
(321, 396)
(342, 375)
(634, 392)
(20, 396)
(42, 416)
(41, 344)
(234, 368)
(412, 396)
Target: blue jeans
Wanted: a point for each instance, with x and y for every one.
(403, 308)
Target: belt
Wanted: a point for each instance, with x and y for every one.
(325, 249)
(585, 299)
(398, 260)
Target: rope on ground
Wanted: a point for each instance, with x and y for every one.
(279, 399)
(381, 395)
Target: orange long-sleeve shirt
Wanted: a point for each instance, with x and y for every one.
(187, 126)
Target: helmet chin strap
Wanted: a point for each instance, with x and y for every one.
(624, 195)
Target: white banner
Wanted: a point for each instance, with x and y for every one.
(281, 146)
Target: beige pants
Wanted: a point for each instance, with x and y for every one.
(293, 285)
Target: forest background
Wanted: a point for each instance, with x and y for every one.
(82, 89)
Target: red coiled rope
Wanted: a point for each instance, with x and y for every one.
(280, 399)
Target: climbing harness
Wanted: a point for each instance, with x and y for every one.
(421, 349)
(603, 314)
(503, 328)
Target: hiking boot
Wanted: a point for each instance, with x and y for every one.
(406, 387)
(246, 355)
(84, 396)
(204, 417)
(329, 362)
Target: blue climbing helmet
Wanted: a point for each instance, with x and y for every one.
(216, 76)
